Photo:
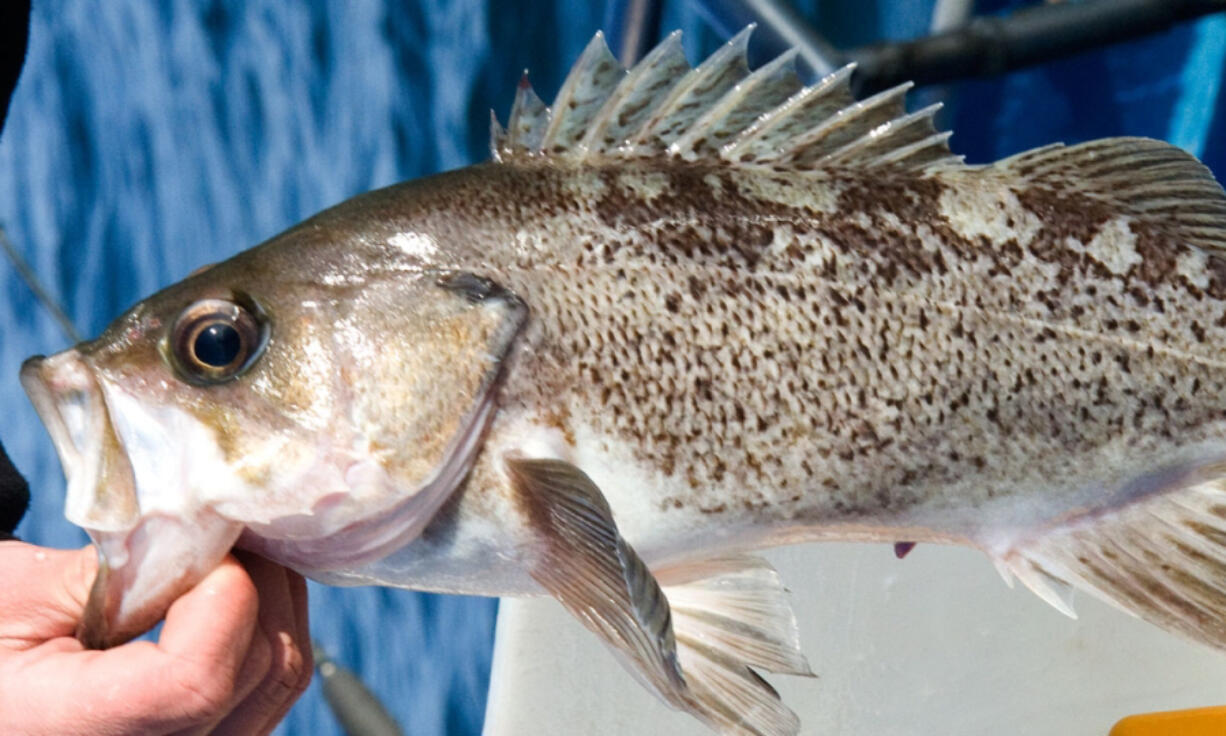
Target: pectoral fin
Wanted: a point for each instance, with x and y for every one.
(591, 570)
(731, 613)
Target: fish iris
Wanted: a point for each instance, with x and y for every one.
(218, 345)
(215, 340)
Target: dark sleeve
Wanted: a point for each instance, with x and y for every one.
(14, 496)
(14, 34)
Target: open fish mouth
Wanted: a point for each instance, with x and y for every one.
(69, 400)
(64, 413)
(147, 560)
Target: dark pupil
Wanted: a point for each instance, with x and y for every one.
(218, 345)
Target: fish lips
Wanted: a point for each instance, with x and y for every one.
(69, 400)
(146, 560)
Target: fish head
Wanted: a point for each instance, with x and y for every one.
(312, 406)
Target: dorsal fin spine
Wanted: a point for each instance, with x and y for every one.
(845, 119)
(833, 84)
(937, 142)
(781, 66)
(642, 86)
(883, 133)
(721, 112)
(528, 121)
(498, 137)
(584, 92)
(671, 111)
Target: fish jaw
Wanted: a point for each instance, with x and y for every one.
(143, 570)
(147, 557)
(69, 400)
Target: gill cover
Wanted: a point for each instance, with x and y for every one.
(428, 407)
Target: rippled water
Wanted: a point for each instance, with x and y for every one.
(147, 139)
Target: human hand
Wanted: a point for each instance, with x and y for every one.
(233, 654)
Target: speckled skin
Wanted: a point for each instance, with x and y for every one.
(741, 358)
(738, 356)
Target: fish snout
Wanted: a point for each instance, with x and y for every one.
(69, 400)
(63, 392)
(149, 553)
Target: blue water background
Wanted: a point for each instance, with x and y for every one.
(146, 139)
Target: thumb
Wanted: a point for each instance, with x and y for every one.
(44, 592)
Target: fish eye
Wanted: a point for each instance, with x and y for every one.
(215, 340)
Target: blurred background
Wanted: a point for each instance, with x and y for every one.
(147, 139)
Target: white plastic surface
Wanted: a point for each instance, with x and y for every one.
(933, 644)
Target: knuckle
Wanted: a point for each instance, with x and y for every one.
(290, 675)
(296, 671)
(204, 695)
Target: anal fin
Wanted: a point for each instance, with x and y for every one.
(731, 615)
(1160, 556)
(693, 636)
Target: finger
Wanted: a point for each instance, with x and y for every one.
(44, 592)
(192, 676)
(290, 670)
(255, 667)
(298, 591)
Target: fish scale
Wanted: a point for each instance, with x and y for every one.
(815, 341)
(684, 314)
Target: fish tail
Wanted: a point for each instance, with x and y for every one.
(1158, 549)
(1160, 557)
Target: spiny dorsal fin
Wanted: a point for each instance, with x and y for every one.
(694, 94)
(1149, 179)
(526, 126)
(583, 94)
(636, 98)
(719, 111)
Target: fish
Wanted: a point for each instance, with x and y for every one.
(683, 314)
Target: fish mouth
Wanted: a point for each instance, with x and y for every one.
(146, 560)
(48, 404)
(69, 400)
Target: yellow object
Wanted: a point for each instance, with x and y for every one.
(1198, 722)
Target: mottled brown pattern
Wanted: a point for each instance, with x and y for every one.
(773, 350)
(852, 352)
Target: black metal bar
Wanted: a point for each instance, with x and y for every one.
(989, 45)
(985, 46)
